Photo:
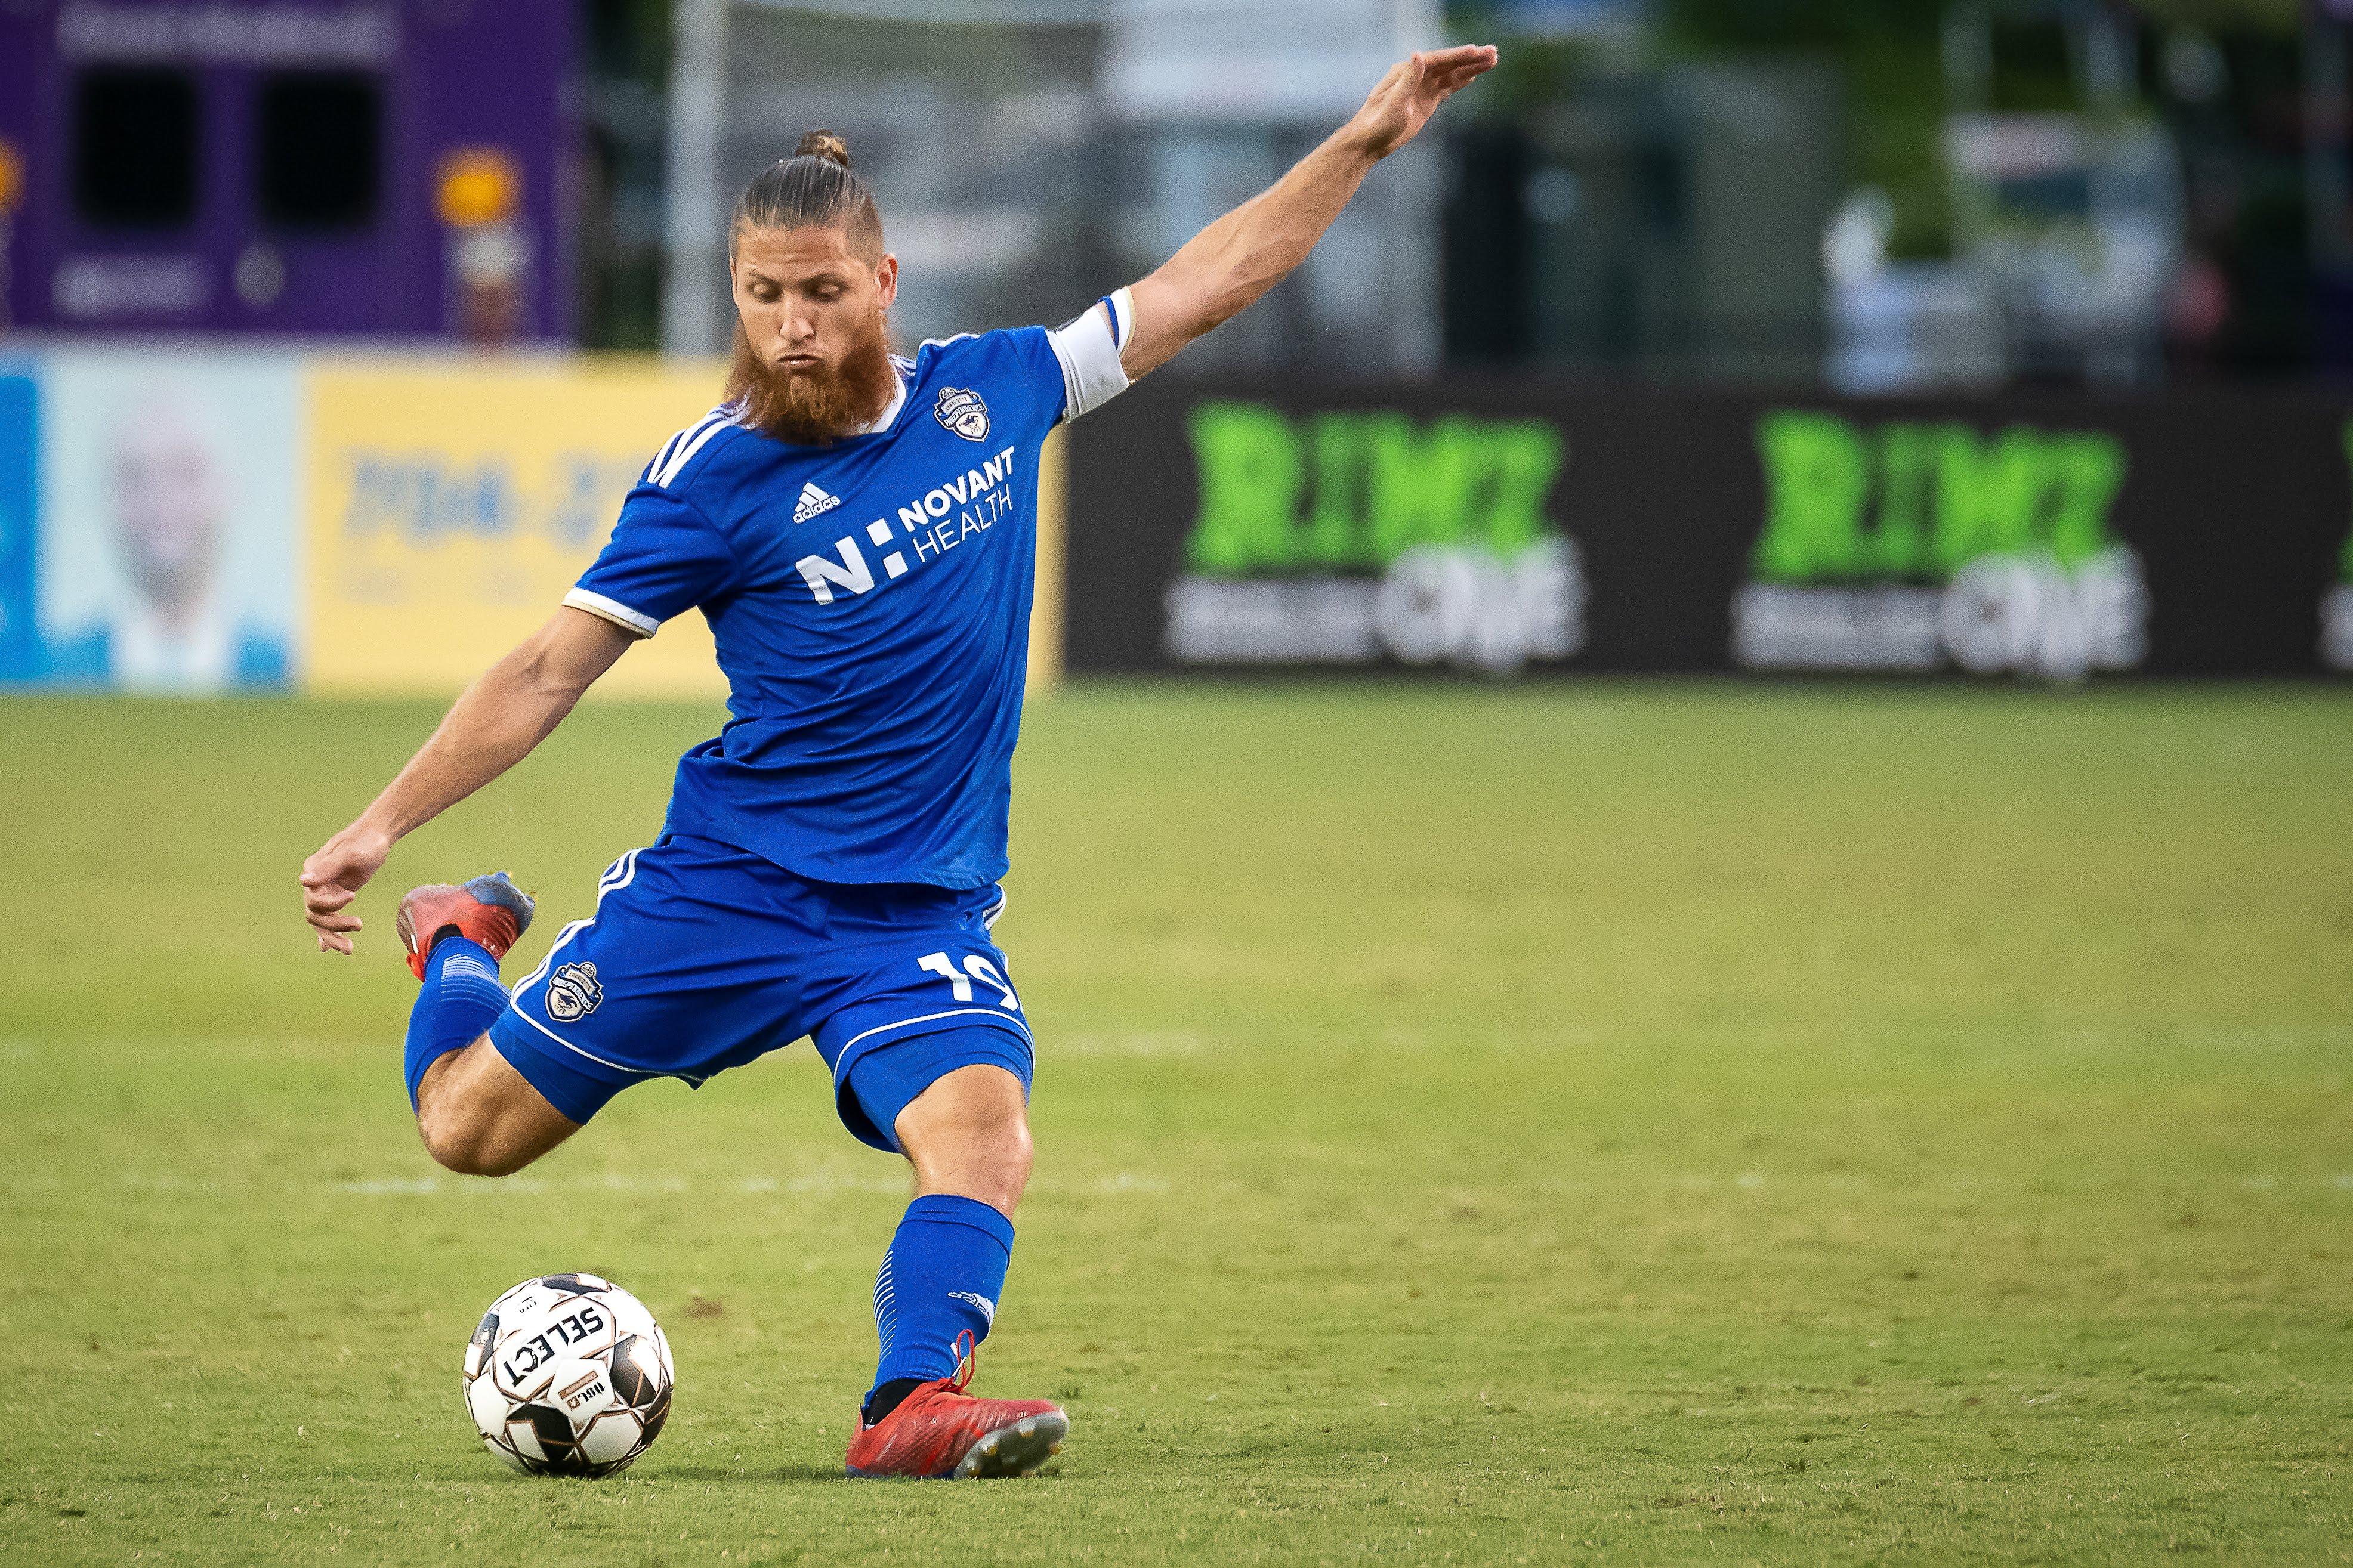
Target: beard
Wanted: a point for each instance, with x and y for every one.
(819, 406)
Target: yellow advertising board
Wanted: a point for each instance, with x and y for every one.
(451, 504)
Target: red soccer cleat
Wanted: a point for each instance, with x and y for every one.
(490, 909)
(940, 1431)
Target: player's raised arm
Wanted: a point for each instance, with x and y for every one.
(1222, 270)
(488, 731)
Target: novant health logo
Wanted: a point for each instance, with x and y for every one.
(1923, 546)
(1343, 538)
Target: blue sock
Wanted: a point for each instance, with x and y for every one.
(461, 996)
(940, 1279)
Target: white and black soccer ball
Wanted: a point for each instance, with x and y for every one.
(568, 1374)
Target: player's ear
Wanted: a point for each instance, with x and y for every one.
(886, 279)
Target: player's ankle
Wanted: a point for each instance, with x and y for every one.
(887, 1398)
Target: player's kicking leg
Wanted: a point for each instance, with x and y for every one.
(967, 1133)
(478, 1115)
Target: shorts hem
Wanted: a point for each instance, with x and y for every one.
(873, 1125)
(965, 1018)
(578, 1089)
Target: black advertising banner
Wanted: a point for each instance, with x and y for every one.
(1516, 527)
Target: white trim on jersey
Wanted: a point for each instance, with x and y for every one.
(673, 459)
(613, 610)
(662, 457)
(619, 874)
(1089, 348)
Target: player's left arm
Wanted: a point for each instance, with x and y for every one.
(1223, 269)
(494, 725)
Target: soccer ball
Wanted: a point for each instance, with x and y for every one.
(568, 1374)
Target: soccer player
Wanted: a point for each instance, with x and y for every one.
(858, 529)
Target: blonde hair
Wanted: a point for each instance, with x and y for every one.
(814, 188)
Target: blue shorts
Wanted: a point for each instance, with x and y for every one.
(701, 957)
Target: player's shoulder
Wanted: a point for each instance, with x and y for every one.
(702, 456)
(1008, 350)
(960, 380)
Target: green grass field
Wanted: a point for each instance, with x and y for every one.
(1616, 1123)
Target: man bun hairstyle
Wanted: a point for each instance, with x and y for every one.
(826, 144)
(814, 188)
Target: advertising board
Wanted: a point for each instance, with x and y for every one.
(1918, 545)
(452, 504)
(1349, 537)
(1502, 528)
(166, 556)
(20, 643)
(197, 522)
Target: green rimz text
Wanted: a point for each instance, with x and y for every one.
(1351, 492)
(1918, 502)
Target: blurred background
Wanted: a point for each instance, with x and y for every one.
(1886, 195)
(1775, 334)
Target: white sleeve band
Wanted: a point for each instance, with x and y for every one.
(1089, 349)
(613, 610)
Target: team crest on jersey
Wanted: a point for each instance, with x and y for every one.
(962, 411)
(573, 991)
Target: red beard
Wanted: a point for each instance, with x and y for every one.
(819, 406)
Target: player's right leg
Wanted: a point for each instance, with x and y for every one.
(682, 969)
(476, 1114)
(478, 1117)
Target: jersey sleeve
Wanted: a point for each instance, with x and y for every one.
(664, 558)
(1089, 348)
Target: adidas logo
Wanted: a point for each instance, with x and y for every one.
(813, 501)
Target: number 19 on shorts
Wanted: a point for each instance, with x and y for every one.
(975, 967)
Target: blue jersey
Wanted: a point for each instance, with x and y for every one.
(869, 601)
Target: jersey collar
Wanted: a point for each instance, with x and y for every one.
(890, 415)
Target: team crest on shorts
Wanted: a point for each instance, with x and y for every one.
(962, 411)
(573, 991)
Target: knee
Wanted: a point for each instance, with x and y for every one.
(988, 1158)
(970, 1137)
(1011, 1152)
(454, 1145)
(461, 1139)
(997, 1171)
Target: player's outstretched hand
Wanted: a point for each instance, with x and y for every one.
(334, 877)
(1406, 99)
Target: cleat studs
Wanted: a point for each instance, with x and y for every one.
(1027, 1428)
